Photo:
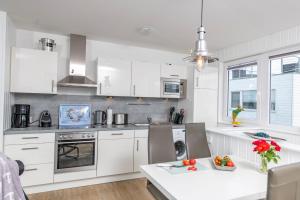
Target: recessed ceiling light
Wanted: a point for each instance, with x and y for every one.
(146, 30)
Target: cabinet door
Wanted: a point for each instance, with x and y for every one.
(173, 71)
(115, 157)
(114, 77)
(33, 71)
(140, 153)
(206, 106)
(208, 78)
(145, 79)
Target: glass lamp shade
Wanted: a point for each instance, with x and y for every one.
(200, 63)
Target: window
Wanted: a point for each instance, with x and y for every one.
(249, 99)
(242, 89)
(235, 99)
(249, 71)
(284, 90)
(278, 84)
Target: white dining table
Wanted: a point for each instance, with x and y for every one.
(245, 183)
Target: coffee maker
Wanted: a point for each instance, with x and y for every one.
(20, 116)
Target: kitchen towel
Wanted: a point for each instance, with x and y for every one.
(10, 185)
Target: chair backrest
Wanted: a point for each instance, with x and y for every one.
(284, 182)
(160, 144)
(196, 141)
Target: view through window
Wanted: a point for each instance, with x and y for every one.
(242, 89)
(285, 90)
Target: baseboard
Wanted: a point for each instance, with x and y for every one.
(80, 183)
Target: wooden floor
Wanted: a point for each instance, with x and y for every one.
(123, 190)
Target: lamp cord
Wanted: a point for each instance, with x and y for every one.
(201, 13)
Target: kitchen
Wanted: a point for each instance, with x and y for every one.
(79, 101)
(123, 120)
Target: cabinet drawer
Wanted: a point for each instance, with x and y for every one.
(31, 154)
(141, 133)
(29, 138)
(37, 174)
(121, 134)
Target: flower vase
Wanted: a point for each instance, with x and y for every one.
(264, 165)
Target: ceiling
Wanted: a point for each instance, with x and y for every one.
(174, 22)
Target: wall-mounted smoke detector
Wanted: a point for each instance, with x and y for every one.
(146, 30)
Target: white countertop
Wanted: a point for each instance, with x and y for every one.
(246, 182)
(238, 132)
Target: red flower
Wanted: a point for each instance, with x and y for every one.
(265, 146)
(273, 143)
(255, 149)
(277, 148)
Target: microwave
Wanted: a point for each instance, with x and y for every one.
(173, 88)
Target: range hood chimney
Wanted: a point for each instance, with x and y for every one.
(77, 67)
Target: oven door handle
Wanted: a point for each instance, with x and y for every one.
(90, 141)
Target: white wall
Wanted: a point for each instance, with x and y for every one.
(9, 99)
(7, 39)
(2, 73)
(275, 41)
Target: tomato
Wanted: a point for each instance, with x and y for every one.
(192, 168)
(193, 162)
(230, 164)
(186, 162)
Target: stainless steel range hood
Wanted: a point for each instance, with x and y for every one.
(77, 68)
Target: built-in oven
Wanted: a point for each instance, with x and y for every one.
(173, 88)
(75, 151)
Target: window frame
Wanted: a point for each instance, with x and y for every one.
(227, 119)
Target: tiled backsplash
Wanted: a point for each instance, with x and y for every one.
(158, 109)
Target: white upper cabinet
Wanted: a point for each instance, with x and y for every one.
(145, 79)
(33, 71)
(114, 77)
(173, 71)
(208, 78)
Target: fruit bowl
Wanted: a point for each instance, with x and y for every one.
(224, 164)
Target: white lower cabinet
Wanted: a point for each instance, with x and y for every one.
(140, 153)
(36, 151)
(43, 153)
(115, 152)
(37, 174)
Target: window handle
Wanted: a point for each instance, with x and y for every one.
(133, 90)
